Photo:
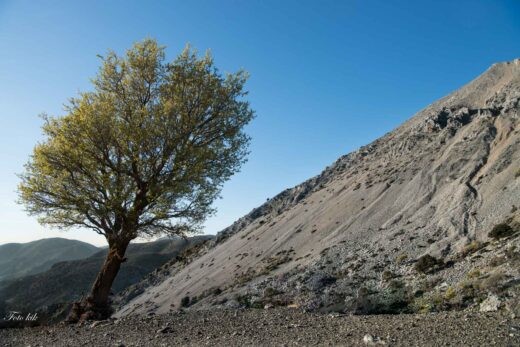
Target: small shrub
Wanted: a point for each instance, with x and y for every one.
(185, 302)
(512, 254)
(427, 263)
(433, 302)
(274, 262)
(475, 273)
(387, 275)
(500, 231)
(248, 302)
(517, 173)
(427, 285)
(497, 261)
(270, 292)
(468, 290)
(401, 258)
(257, 305)
(450, 293)
(471, 248)
(492, 283)
(393, 299)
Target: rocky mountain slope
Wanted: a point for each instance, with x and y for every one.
(400, 225)
(50, 292)
(22, 259)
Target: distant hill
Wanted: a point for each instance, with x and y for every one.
(22, 259)
(51, 291)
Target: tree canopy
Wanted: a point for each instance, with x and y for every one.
(146, 152)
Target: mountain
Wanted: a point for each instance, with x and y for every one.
(400, 225)
(22, 259)
(50, 292)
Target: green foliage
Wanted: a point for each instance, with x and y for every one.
(501, 230)
(433, 302)
(427, 263)
(450, 293)
(146, 152)
(248, 302)
(392, 299)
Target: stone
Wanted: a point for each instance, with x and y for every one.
(95, 324)
(370, 340)
(443, 286)
(165, 330)
(491, 304)
(232, 304)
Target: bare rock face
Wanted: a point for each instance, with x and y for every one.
(348, 238)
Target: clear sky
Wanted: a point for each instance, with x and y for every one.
(326, 76)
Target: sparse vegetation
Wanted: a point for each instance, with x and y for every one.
(500, 231)
(270, 292)
(185, 301)
(392, 299)
(497, 261)
(470, 291)
(401, 258)
(450, 293)
(387, 275)
(474, 273)
(492, 282)
(513, 254)
(272, 263)
(248, 302)
(432, 302)
(427, 264)
(472, 247)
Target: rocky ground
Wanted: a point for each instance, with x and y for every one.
(283, 327)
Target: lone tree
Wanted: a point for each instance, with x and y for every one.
(145, 153)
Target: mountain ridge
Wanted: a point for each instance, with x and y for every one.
(300, 190)
(22, 259)
(51, 292)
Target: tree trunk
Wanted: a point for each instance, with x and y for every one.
(96, 305)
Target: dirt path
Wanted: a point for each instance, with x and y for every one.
(278, 327)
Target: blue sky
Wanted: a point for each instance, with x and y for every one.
(326, 76)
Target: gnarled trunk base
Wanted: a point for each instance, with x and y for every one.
(86, 310)
(97, 306)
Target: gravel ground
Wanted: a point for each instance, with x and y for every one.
(279, 328)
